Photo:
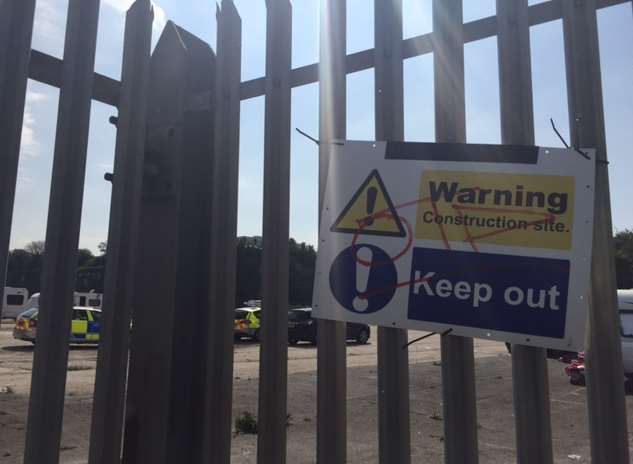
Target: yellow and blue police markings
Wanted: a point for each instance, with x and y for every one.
(86, 325)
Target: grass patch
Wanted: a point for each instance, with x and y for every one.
(246, 423)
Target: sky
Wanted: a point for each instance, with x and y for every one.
(198, 16)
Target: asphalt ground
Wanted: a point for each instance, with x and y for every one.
(494, 394)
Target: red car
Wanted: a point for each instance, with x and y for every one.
(576, 370)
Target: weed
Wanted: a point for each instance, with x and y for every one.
(246, 423)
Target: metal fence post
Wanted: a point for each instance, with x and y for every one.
(393, 361)
(331, 340)
(16, 27)
(147, 409)
(273, 365)
(191, 302)
(458, 362)
(529, 364)
(222, 256)
(111, 373)
(605, 385)
(50, 359)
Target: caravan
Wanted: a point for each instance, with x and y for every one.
(85, 299)
(14, 301)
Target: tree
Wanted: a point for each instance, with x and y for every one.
(624, 258)
(84, 255)
(23, 270)
(90, 271)
(102, 247)
(249, 264)
(35, 247)
(302, 264)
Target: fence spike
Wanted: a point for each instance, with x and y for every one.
(119, 286)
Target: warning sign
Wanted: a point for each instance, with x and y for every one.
(490, 241)
(504, 209)
(370, 211)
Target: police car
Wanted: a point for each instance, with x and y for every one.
(85, 327)
(247, 323)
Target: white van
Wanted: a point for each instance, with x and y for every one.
(84, 299)
(14, 301)
(625, 305)
(88, 299)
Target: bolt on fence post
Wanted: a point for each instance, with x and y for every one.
(331, 339)
(50, 360)
(393, 361)
(605, 384)
(16, 27)
(458, 363)
(529, 365)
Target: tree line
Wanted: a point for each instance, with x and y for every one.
(25, 265)
(24, 269)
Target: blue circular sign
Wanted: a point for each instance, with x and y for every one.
(359, 287)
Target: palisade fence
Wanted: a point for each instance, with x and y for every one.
(164, 394)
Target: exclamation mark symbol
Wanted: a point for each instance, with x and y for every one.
(372, 193)
(361, 301)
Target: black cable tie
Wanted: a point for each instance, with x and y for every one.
(308, 136)
(446, 332)
(577, 150)
(581, 153)
(551, 120)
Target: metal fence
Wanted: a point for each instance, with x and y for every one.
(174, 199)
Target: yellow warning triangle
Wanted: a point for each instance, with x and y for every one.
(370, 211)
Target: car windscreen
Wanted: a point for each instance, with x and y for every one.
(298, 316)
(29, 313)
(240, 314)
(626, 324)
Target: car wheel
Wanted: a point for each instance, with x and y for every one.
(293, 341)
(237, 337)
(577, 378)
(313, 340)
(363, 336)
(255, 336)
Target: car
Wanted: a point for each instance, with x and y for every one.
(85, 326)
(625, 305)
(561, 355)
(247, 323)
(576, 369)
(302, 327)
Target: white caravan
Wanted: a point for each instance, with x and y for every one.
(625, 305)
(85, 299)
(14, 301)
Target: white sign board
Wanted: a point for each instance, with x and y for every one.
(491, 241)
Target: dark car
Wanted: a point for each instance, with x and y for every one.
(561, 355)
(301, 327)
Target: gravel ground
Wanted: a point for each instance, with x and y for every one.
(494, 393)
